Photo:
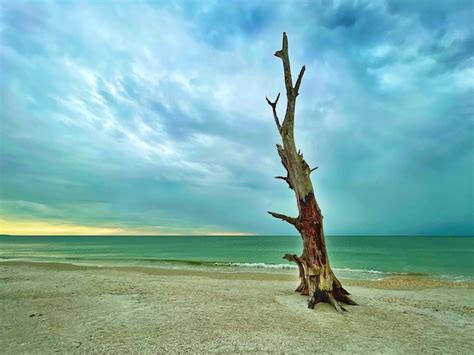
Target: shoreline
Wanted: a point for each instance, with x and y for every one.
(66, 308)
(205, 268)
(358, 257)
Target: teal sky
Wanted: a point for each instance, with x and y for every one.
(151, 116)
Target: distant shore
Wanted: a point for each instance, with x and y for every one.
(49, 307)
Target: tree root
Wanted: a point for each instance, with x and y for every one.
(303, 286)
(328, 297)
(334, 297)
(341, 295)
(336, 305)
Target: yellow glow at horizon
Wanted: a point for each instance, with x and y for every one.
(17, 227)
(25, 227)
(228, 234)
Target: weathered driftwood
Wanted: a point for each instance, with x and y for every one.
(317, 280)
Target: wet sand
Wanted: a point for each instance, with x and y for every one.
(64, 308)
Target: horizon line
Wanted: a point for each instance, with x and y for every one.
(233, 235)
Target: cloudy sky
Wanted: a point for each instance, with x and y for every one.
(150, 117)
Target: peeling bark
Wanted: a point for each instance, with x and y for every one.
(317, 280)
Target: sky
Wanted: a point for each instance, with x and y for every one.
(121, 117)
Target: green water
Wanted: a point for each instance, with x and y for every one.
(358, 257)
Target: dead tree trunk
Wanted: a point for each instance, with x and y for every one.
(317, 280)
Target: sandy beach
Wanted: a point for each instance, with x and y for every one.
(64, 308)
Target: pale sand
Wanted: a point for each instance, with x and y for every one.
(128, 310)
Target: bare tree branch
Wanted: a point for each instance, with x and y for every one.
(298, 81)
(275, 115)
(286, 179)
(313, 169)
(283, 54)
(291, 220)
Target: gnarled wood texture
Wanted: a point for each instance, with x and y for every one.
(317, 280)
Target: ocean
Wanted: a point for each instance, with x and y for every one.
(351, 257)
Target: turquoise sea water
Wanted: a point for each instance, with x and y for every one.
(358, 257)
